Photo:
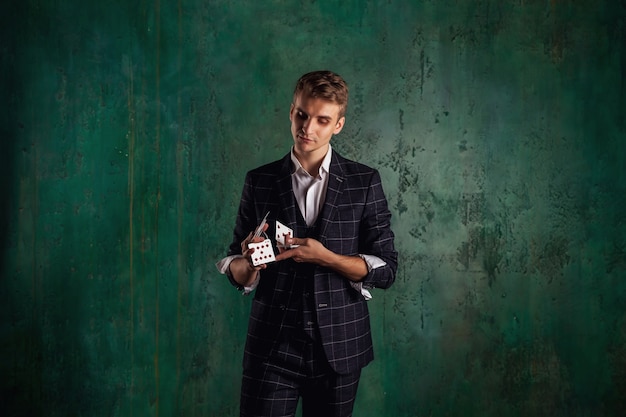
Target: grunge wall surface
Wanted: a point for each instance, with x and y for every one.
(499, 130)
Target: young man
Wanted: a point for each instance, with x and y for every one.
(309, 330)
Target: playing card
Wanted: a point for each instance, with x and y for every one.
(263, 252)
(282, 233)
(259, 229)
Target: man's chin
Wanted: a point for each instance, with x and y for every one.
(303, 147)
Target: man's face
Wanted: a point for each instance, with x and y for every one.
(313, 123)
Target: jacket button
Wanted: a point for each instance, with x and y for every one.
(283, 307)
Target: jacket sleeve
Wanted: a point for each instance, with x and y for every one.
(246, 217)
(376, 236)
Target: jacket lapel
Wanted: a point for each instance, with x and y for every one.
(333, 194)
(285, 194)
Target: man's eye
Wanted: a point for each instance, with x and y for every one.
(301, 115)
(323, 121)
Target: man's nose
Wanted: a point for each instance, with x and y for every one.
(307, 126)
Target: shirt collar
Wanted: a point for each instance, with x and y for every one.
(324, 168)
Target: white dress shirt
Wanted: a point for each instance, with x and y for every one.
(310, 194)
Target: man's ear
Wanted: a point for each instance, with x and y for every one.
(291, 111)
(339, 125)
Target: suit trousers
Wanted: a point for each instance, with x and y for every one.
(297, 368)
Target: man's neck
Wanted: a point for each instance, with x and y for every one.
(311, 162)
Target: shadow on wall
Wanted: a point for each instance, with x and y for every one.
(9, 124)
(14, 387)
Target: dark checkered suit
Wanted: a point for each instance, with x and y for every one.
(354, 220)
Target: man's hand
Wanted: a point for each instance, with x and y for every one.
(242, 269)
(247, 252)
(306, 250)
(310, 250)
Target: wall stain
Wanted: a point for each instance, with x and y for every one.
(131, 224)
(549, 258)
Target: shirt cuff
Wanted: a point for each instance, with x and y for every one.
(224, 267)
(372, 262)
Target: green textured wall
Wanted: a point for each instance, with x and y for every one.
(499, 130)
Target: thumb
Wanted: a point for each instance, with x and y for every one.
(293, 241)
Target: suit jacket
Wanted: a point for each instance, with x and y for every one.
(354, 220)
